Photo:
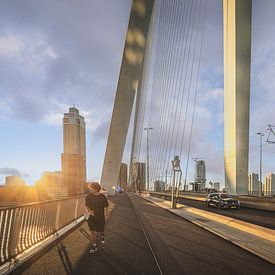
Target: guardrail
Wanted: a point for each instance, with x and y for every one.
(24, 226)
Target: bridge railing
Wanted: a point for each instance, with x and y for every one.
(24, 226)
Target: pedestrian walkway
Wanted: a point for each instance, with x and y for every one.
(170, 245)
(125, 252)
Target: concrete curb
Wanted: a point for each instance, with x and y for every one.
(255, 239)
(266, 206)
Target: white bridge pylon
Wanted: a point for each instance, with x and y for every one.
(237, 59)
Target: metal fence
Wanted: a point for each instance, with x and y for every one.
(22, 227)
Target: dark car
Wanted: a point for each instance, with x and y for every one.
(222, 201)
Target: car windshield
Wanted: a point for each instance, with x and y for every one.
(225, 196)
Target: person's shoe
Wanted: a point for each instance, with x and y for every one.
(102, 239)
(93, 250)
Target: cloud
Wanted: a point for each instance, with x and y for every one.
(96, 122)
(10, 46)
(5, 110)
(8, 171)
(57, 54)
(211, 95)
(101, 131)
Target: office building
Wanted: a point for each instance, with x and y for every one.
(217, 186)
(13, 194)
(14, 181)
(200, 174)
(139, 176)
(122, 179)
(159, 186)
(269, 185)
(52, 186)
(253, 184)
(74, 156)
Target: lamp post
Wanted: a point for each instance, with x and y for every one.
(166, 175)
(261, 161)
(133, 175)
(147, 129)
(176, 168)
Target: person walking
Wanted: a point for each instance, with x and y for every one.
(97, 205)
(118, 190)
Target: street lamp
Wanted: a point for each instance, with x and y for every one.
(176, 168)
(147, 129)
(133, 175)
(261, 161)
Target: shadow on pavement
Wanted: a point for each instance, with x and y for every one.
(126, 250)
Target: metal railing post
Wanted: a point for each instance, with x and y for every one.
(57, 216)
(15, 230)
(76, 208)
(23, 226)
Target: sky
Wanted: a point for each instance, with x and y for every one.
(55, 54)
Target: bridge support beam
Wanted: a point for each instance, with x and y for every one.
(130, 78)
(237, 57)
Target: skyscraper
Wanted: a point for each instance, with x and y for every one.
(74, 156)
(122, 180)
(269, 185)
(200, 174)
(253, 184)
(217, 186)
(52, 186)
(138, 175)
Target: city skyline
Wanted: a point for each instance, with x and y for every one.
(53, 74)
(137, 136)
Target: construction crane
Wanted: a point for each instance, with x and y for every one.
(271, 135)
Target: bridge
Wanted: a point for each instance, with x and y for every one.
(161, 65)
(171, 231)
(144, 236)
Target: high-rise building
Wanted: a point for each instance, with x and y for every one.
(74, 156)
(200, 174)
(52, 186)
(159, 186)
(138, 175)
(269, 185)
(217, 186)
(253, 184)
(13, 181)
(122, 179)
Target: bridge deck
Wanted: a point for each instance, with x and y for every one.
(179, 246)
(126, 250)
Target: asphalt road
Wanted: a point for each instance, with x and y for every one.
(255, 216)
(184, 248)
